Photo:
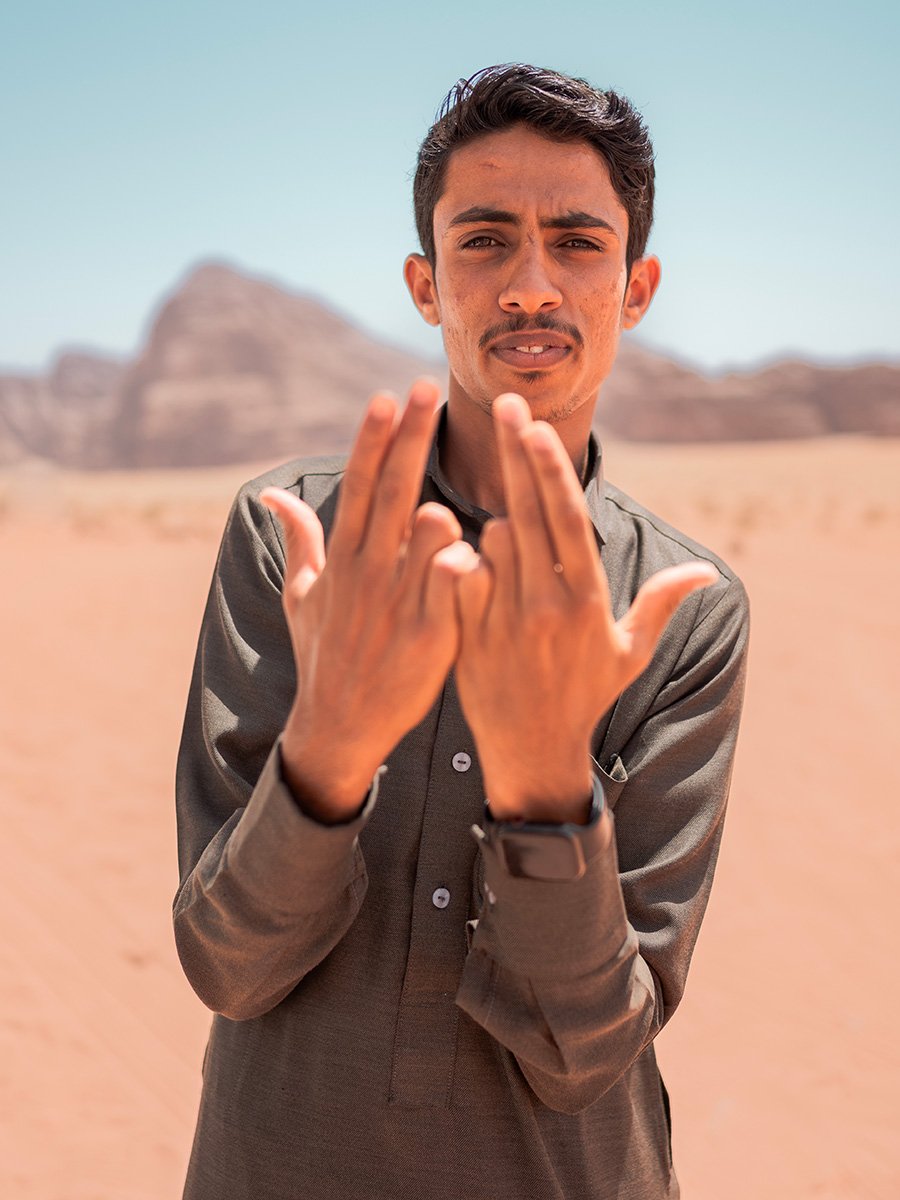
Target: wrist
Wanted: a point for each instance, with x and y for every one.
(329, 784)
(540, 795)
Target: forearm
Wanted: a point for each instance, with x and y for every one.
(264, 892)
(269, 898)
(577, 978)
(555, 975)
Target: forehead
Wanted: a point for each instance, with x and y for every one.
(522, 171)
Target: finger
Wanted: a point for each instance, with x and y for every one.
(434, 527)
(361, 474)
(399, 483)
(474, 590)
(303, 536)
(656, 602)
(498, 550)
(445, 569)
(535, 554)
(565, 514)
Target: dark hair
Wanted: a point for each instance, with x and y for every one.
(556, 105)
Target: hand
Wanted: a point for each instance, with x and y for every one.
(373, 627)
(542, 657)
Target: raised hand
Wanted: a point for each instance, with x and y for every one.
(373, 624)
(542, 657)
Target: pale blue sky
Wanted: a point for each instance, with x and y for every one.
(136, 139)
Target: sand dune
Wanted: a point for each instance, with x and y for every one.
(783, 1059)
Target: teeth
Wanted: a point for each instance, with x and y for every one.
(531, 349)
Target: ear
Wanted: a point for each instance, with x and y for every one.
(419, 275)
(642, 285)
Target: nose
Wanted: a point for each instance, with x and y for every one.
(529, 288)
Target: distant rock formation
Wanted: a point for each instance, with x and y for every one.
(65, 416)
(236, 369)
(650, 398)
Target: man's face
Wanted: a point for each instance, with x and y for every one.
(530, 284)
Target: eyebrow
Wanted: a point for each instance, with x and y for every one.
(479, 214)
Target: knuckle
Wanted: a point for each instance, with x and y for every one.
(391, 490)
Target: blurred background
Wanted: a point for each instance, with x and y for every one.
(204, 213)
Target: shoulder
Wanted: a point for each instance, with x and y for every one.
(310, 478)
(656, 537)
(251, 531)
(639, 543)
(314, 480)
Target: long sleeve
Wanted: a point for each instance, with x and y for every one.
(265, 892)
(576, 978)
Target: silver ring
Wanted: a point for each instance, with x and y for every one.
(558, 568)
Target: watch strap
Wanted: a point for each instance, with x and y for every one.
(532, 850)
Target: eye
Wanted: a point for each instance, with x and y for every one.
(580, 243)
(481, 241)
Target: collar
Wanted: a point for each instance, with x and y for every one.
(593, 488)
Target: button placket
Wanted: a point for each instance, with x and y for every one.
(423, 1062)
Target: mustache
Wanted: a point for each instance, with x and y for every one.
(520, 323)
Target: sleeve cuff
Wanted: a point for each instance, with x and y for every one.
(285, 858)
(544, 927)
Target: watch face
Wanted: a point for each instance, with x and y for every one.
(548, 856)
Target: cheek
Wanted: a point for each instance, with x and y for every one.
(459, 321)
(604, 316)
(459, 347)
(609, 299)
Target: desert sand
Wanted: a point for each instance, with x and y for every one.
(782, 1062)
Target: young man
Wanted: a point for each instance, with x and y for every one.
(403, 1008)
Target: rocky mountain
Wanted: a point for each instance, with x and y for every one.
(64, 416)
(237, 369)
(650, 398)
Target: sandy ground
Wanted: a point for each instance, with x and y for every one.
(783, 1060)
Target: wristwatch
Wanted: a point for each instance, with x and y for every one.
(548, 852)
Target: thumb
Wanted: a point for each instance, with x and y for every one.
(303, 535)
(655, 604)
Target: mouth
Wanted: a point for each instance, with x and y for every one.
(530, 351)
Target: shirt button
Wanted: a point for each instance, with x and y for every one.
(461, 761)
(440, 898)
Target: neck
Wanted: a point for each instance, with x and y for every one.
(469, 456)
